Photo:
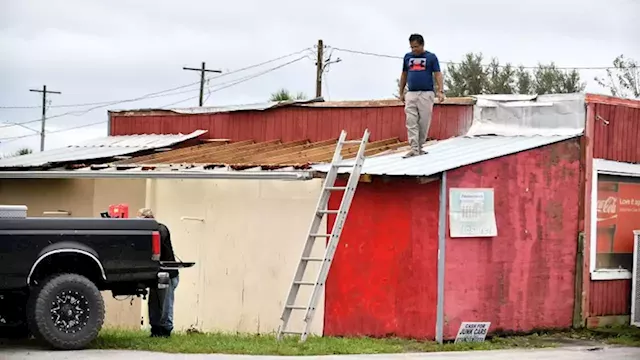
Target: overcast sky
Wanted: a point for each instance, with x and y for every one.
(97, 51)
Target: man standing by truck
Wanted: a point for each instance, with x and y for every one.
(161, 300)
(418, 70)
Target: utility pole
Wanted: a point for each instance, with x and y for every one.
(319, 68)
(44, 92)
(202, 71)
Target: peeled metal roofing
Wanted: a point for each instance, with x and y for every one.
(248, 154)
(100, 148)
(449, 154)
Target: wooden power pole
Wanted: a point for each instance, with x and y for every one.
(202, 71)
(44, 92)
(319, 68)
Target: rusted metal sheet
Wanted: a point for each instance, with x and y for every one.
(616, 132)
(296, 123)
(610, 297)
(267, 154)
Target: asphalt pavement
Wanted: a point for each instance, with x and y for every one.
(570, 353)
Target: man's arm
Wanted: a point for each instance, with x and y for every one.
(439, 81)
(402, 85)
(439, 78)
(167, 247)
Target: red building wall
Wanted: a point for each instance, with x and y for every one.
(295, 123)
(524, 278)
(614, 134)
(384, 275)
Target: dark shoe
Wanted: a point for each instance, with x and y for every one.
(411, 153)
(155, 331)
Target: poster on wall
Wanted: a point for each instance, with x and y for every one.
(471, 213)
(618, 214)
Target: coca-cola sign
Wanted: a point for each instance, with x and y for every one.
(608, 205)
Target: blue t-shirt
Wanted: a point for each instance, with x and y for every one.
(420, 69)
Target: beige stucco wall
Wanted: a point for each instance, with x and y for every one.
(246, 237)
(119, 313)
(83, 198)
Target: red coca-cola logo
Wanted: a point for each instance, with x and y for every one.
(607, 206)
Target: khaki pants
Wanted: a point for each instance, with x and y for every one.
(418, 106)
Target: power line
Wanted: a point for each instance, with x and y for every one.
(155, 94)
(457, 63)
(44, 92)
(150, 95)
(202, 71)
(230, 84)
(239, 81)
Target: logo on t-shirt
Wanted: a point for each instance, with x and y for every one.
(417, 64)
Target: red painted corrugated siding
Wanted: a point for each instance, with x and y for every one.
(296, 123)
(384, 274)
(522, 279)
(617, 140)
(610, 297)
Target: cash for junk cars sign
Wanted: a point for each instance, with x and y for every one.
(472, 332)
(471, 213)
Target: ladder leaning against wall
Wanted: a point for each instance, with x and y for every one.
(314, 235)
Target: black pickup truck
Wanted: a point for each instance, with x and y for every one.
(53, 269)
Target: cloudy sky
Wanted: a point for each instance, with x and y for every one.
(100, 51)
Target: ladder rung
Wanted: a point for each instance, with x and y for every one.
(312, 259)
(321, 235)
(304, 282)
(343, 165)
(353, 141)
(328, 211)
(336, 188)
(296, 307)
(291, 333)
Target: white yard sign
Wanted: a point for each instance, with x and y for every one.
(471, 213)
(472, 332)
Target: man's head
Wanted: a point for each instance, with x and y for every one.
(145, 213)
(417, 43)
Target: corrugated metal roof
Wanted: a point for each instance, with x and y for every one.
(449, 154)
(216, 109)
(316, 103)
(99, 148)
(249, 154)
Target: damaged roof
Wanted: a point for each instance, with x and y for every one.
(249, 154)
(100, 148)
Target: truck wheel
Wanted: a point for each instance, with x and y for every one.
(67, 311)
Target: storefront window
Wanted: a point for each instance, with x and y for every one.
(618, 211)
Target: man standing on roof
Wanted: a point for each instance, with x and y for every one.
(419, 67)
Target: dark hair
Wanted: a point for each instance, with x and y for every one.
(416, 37)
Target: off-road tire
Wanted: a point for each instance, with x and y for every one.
(81, 299)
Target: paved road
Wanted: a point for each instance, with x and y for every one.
(573, 353)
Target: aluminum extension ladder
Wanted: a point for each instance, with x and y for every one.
(313, 235)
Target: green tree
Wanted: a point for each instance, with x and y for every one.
(285, 95)
(623, 80)
(20, 152)
(500, 79)
(470, 77)
(524, 81)
(23, 151)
